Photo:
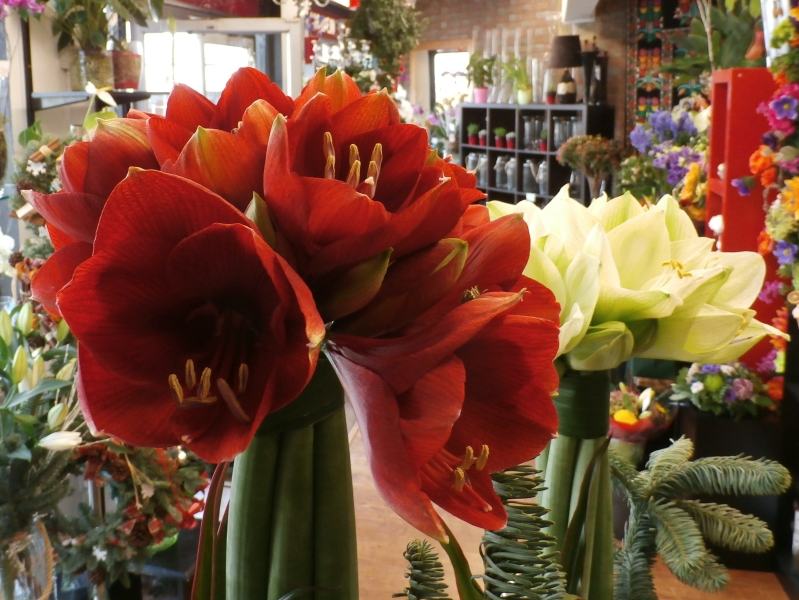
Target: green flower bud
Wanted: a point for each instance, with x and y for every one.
(713, 382)
(65, 372)
(25, 319)
(19, 366)
(6, 330)
(37, 371)
(63, 330)
(56, 416)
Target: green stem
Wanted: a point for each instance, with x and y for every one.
(291, 566)
(250, 519)
(604, 545)
(560, 472)
(335, 548)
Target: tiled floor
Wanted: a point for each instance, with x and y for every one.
(382, 537)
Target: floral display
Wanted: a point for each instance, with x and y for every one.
(636, 417)
(672, 158)
(724, 389)
(24, 8)
(594, 155)
(339, 240)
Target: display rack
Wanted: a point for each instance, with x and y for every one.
(590, 119)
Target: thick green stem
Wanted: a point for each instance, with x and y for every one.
(604, 546)
(560, 472)
(291, 566)
(335, 548)
(250, 520)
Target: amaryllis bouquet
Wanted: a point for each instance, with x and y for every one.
(227, 269)
(728, 389)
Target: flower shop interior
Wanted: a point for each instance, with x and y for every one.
(542, 345)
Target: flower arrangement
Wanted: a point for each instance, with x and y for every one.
(672, 158)
(594, 155)
(636, 417)
(24, 8)
(727, 389)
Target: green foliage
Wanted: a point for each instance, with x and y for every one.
(516, 70)
(519, 560)
(84, 23)
(639, 177)
(664, 521)
(479, 70)
(732, 32)
(473, 128)
(500, 131)
(392, 29)
(425, 573)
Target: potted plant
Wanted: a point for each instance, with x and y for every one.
(510, 140)
(517, 72)
(83, 25)
(499, 136)
(127, 59)
(472, 129)
(479, 74)
(552, 93)
(482, 137)
(594, 155)
(542, 144)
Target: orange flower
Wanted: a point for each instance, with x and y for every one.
(764, 243)
(780, 79)
(768, 177)
(761, 159)
(774, 388)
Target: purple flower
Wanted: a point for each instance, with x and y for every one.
(641, 139)
(740, 184)
(743, 388)
(785, 252)
(710, 368)
(662, 122)
(433, 120)
(784, 107)
(770, 292)
(729, 395)
(766, 364)
(683, 124)
(770, 140)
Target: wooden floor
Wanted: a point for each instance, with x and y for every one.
(382, 537)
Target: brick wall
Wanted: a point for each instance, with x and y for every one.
(450, 24)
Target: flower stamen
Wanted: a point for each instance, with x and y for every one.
(377, 161)
(191, 377)
(468, 459)
(677, 266)
(470, 294)
(232, 402)
(330, 156)
(354, 155)
(205, 384)
(244, 377)
(354, 176)
(176, 389)
(481, 460)
(458, 479)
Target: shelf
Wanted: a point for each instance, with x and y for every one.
(47, 100)
(716, 185)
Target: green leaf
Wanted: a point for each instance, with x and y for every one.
(203, 576)
(21, 452)
(44, 386)
(354, 289)
(727, 527)
(90, 122)
(663, 462)
(467, 588)
(728, 475)
(31, 134)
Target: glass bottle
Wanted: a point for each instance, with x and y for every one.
(529, 132)
(543, 177)
(529, 184)
(510, 172)
(501, 178)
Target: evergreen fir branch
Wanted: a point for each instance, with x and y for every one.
(725, 526)
(626, 477)
(634, 561)
(664, 462)
(732, 475)
(519, 563)
(678, 539)
(425, 573)
(710, 576)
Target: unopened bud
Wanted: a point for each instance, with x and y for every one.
(37, 371)
(61, 441)
(25, 319)
(56, 416)
(65, 372)
(63, 330)
(19, 366)
(6, 330)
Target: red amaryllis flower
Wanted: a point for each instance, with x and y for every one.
(461, 390)
(187, 320)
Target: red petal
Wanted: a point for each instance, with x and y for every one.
(59, 238)
(151, 204)
(479, 506)
(373, 111)
(475, 216)
(306, 133)
(75, 214)
(118, 144)
(167, 139)
(256, 124)
(395, 477)
(189, 108)
(339, 87)
(245, 87)
(57, 272)
(539, 301)
(223, 163)
(74, 164)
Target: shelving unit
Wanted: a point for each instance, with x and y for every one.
(591, 119)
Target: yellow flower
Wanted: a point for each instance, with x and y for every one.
(625, 416)
(790, 194)
(691, 179)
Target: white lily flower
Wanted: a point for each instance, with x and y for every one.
(60, 441)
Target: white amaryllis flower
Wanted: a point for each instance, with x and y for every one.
(633, 281)
(60, 441)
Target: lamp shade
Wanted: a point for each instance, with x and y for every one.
(565, 52)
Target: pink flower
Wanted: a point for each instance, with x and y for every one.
(789, 89)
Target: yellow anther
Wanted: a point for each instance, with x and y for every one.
(330, 167)
(232, 402)
(185, 439)
(329, 149)
(470, 294)
(174, 387)
(244, 377)
(482, 459)
(354, 154)
(677, 266)
(205, 384)
(371, 171)
(458, 479)
(468, 458)
(191, 377)
(377, 156)
(354, 176)
(330, 156)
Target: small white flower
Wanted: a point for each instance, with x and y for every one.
(716, 224)
(60, 441)
(36, 168)
(99, 553)
(728, 370)
(646, 398)
(694, 369)
(147, 491)
(697, 386)
(721, 170)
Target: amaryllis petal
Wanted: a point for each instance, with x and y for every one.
(189, 108)
(306, 137)
(341, 90)
(243, 88)
(167, 139)
(73, 213)
(396, 478)
(345, 293)
(256, 124)
(74, 163)
(478, 504)
(223, 163)
(118, 144)
(373, 111)
(56, 272)
(59, 238)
